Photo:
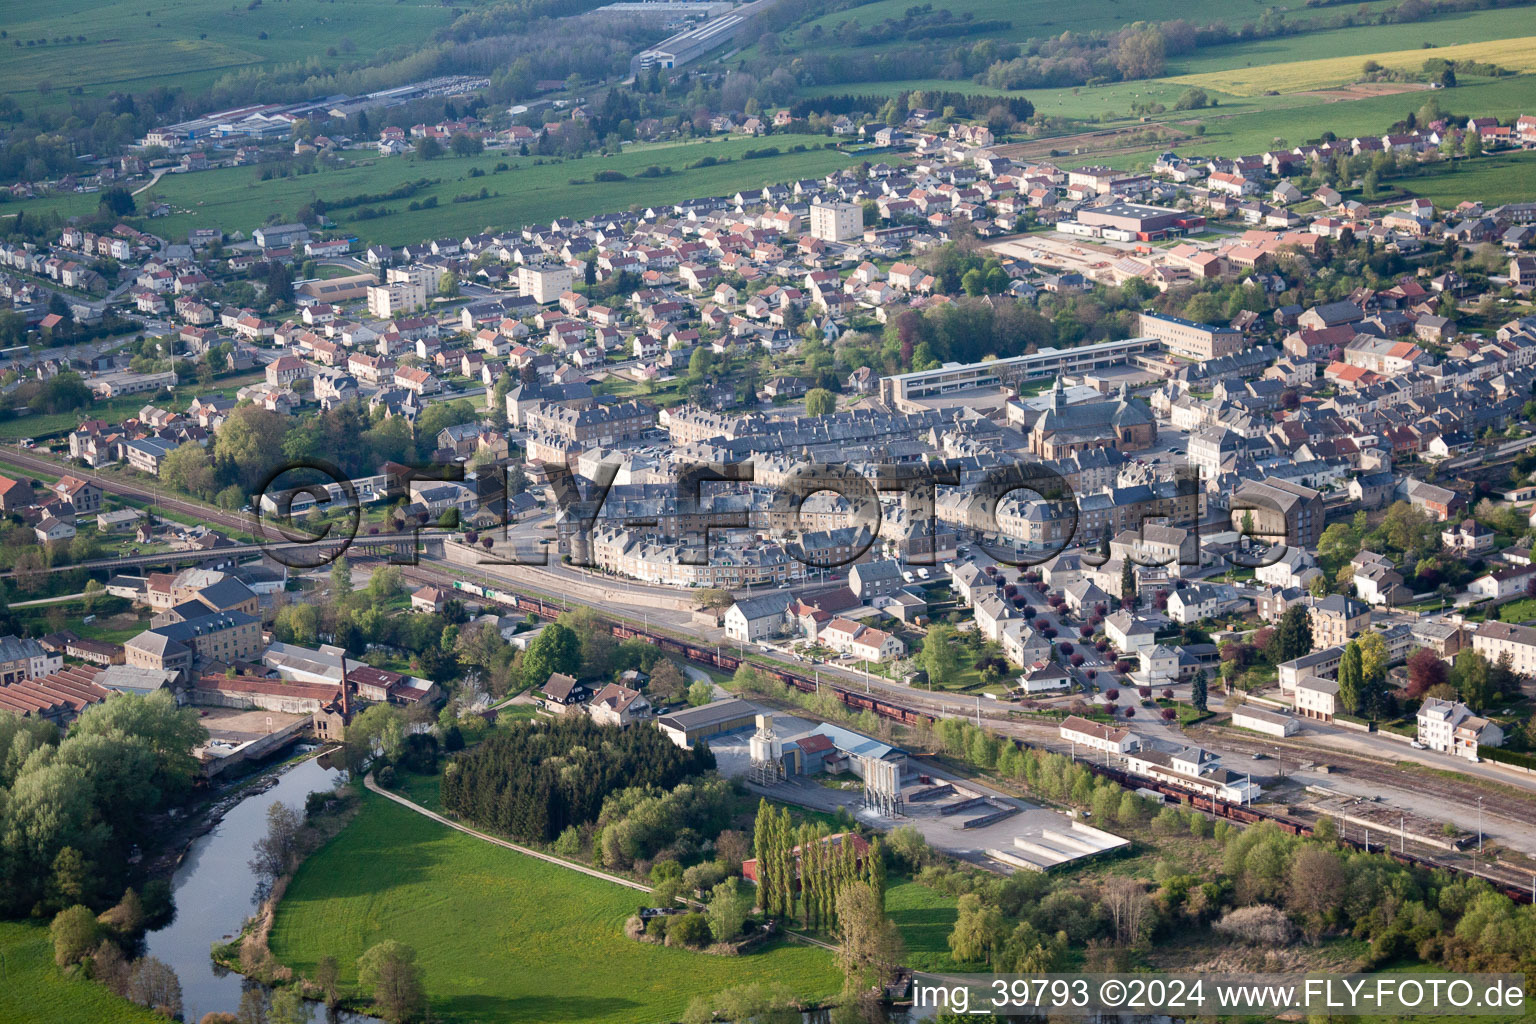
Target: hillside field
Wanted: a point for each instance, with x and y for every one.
(502, 937)
(236, 199)
(1032, 19)
(136, 46)
(1447, 30)
(1517, 54)
(34, 991)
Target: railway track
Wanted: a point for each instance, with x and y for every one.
(1498, 801)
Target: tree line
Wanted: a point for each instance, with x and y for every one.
(800, 874)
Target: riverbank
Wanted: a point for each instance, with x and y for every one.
(214, 884)
(249, 953)
(182, 830)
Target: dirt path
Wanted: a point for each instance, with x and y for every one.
(153, 181)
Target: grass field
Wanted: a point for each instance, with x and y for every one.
(34, 991)
(1448, 30)
(925, 917)
(136, 46)
(502, 937)
(1498, 178)
(1517, 54)
(236, 199)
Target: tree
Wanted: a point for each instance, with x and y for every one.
(73, 880)
(690, 930)
(1471, 678)
(667, 680)
(1373, 667)
(189, 469)
(155, 985)
(327, 980)
(1317, 887)
(276, 851)
(1128, 582)
(869, 945)
(251, 440)
(1127, 903)
(1425, 669)
(1351, 678)
(341, 580)
(390, 973)
(75, 933)
(1293, 636)
(288, 1007)
(378, 731)
(1472, 145)
(465, 144)
(701, 693)
(556, 649)
(1198, 690)
(940, 655)
(979, 929)
(820, 402)
(729, 904)
(715, 600)
(429, 148)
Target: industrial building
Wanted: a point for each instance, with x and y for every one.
(1146, 223)
(689, 45)
(687, 727)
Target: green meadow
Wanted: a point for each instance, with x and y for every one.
(237, 199)
(502, 937)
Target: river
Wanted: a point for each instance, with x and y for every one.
(214, 886)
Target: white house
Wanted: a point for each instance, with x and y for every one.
(1451, 728)
(1317, 698)
(756, 617)
(1159, 665)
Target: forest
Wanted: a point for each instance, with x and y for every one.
(536, 780)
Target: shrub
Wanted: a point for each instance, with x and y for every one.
(689, 930)
(1260, 925)
(75, 933)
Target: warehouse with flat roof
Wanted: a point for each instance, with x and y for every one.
(1131, 217)
(685, 728)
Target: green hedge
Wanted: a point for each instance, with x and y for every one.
(1508, 757)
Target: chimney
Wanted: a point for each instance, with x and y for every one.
(346, 694)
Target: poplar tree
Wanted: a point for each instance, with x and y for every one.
(762, 847)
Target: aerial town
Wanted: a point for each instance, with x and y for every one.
(975, 560)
